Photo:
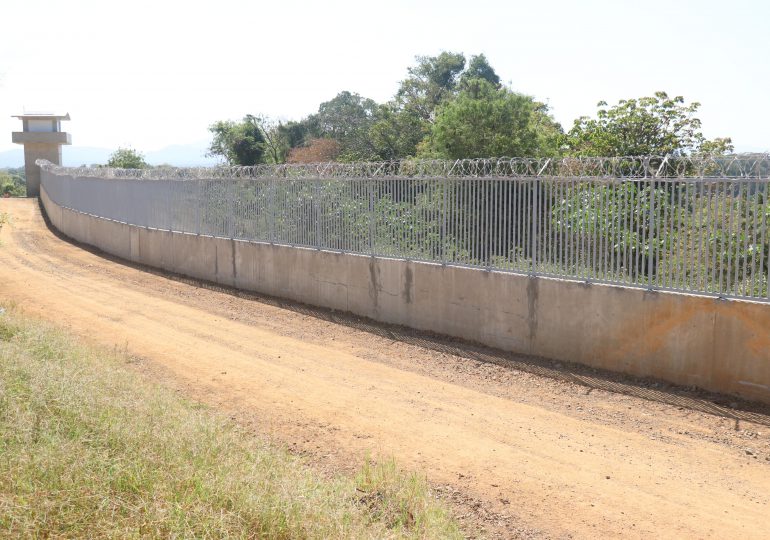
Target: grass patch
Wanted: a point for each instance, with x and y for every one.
(90, 448)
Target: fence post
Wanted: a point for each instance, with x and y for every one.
(317, 200)
(651, 227)
(371, 217)
(767, 267)
(199, 202)
(535, 217)
(231, 209)
(169, 205)
(443, 233)
(271, 209)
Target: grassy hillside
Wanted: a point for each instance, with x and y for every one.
(90, 448)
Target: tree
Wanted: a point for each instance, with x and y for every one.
(656, 125)
(127, 158)
(404, 122)
(347, 119)
(486, 121)
(479, 68)
(276, 140)
(430, 83)
(396, 133)
(12, 185)
(318, 151)
(300, 133)
(239, 143)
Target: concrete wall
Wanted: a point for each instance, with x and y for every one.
(719, 345)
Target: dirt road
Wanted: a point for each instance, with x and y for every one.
(519, 454)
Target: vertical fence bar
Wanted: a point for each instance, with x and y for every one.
(565, 228)
(650, 241)
(754, 247)
(767, 265)
(690, 227)
(444, 184)
(485, 225)
(761, 201)
(499, 220)
(698, 225)
(534, 233)
(370, 189)
(270, 210)
(745, 234)
(198, 202)
(517, 225)
(717, 266)
(731, 201)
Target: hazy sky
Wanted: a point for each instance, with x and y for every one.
(154, 73)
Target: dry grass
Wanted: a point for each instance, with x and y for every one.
(89, 448)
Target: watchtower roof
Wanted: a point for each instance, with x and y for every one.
(42, 116)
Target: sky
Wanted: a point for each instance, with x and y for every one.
(150, 74)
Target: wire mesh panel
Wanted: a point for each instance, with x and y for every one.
(696, 225)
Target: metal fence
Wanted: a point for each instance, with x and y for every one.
(685, 224)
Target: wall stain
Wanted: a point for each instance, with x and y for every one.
(660, 326)
(374, 287)
(235, 271)
(533, 291)
(408, 283)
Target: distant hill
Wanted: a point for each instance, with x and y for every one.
(179, 155)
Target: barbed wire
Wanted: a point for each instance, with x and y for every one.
(722, 166)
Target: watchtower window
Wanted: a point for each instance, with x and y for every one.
(35, 125)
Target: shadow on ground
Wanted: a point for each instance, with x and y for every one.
(692, 398)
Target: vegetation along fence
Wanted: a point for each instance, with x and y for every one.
(671, 223)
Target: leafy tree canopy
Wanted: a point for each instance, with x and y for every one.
(430, 82)
(396, 132)
(239, 143)
(479, 68)
(485, 120)
(299, 133)
(656, 125)
(347, 119)
(404, 122)
(447, 107)
(127, 158)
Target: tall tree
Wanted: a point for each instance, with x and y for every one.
(299, 133)
(239, 143)
(655, 125)
(347, 119)
(404, 122)
(479, 68)
(430, 82)
(276, 139)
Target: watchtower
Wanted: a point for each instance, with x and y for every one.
(42, 138)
